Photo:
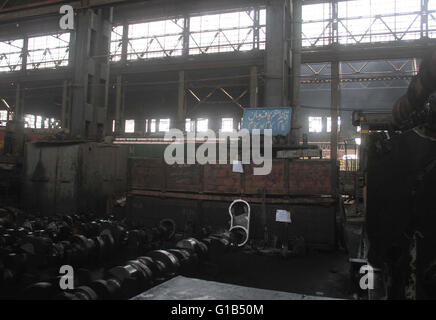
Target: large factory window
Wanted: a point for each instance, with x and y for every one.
(202, 125)
(50, 51)
(227, 125)
(432, 18)
(155, 39)
(379, 21)
(223, 32)
(3, 118)
(11, 55)
(316, 24)
(164, 125)
(189, 125)
(153, 125)
(38, 122)
(130, 126)
(366, 21)
(315, 124)
(116, 43)
(29, 121)
(227, 32)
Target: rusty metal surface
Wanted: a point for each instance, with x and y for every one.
(274, 183)
(326, 200)
(296, 177)
(310, 177)
(146, 174)
(312, 218)
(72, 178)
(183, 178)
(221, 179)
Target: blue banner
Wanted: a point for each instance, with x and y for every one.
(277, 119)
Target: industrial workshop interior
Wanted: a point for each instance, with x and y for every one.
(250, 150)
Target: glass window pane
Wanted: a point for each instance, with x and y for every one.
(116, 43)
(10, 55)
(29, 121)
(226, 32)
(49, 51)
(189, 125)
(202, 125)
(153, 125)
(130, 126)
(155, 39)
(164, 125)
(315, 124)
(227, 125)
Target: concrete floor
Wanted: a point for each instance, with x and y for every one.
(323, 274)
(182, 288)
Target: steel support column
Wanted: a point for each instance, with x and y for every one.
(65, 121)
(125, 42)
(277, 52)
(253, 88)
(335, 105)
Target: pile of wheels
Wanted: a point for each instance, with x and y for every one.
(32, 253)
(135, 276)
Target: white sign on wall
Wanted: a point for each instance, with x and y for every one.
(283, 216)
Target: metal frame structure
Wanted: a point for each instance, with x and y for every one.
(368, 21)
(270, 67)
(47, 50)
(375, 71)
(230, 31)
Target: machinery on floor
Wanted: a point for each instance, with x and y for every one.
(399, 163)
(201, 193)
(109, 259)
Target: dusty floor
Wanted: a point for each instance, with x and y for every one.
(318, 273)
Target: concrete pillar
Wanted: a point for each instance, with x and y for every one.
(15, 129)
(91, 74)
(186, 34)
(18, 103)
(296, 71)
(424, 18)
(277, 54)
(181, 106)
(64, 106)
(118, 104)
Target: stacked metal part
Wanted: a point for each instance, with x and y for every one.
(32, 253)
(132, 278)
(411, 109)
